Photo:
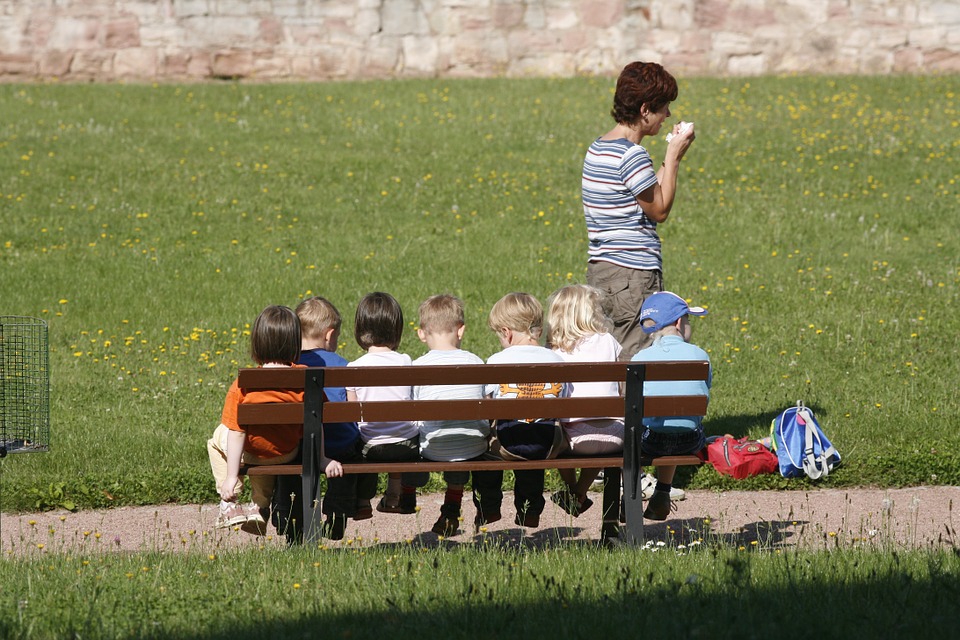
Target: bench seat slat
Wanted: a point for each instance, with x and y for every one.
(414, 410)
(477, 465)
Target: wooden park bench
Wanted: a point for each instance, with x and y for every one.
(632, 406)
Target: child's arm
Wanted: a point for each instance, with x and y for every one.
(235, 442)
(331, 468)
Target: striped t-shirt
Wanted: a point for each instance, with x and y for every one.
(615, 172)
(451, 440)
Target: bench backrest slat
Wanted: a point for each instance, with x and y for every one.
(613, 406)
(295, 378)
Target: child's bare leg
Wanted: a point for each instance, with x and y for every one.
(583, 483)
(574, 499)
(665, 474)
(392, 494)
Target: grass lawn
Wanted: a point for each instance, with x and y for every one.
(411, 593)
(148, 225)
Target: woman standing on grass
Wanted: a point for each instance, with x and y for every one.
(624, 198)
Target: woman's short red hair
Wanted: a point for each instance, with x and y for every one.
(642, 83)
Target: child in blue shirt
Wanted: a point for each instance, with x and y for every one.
(665, 317)
(320, 332)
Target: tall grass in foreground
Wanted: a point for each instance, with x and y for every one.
(816, 218)
(406, 593)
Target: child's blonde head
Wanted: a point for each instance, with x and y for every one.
(275, 337)
(442, 313)
(574, 312)
(379, 321)
(519, 312)
(317, 316)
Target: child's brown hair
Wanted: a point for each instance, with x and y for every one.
(442, 313)
(275, 337)
(379, 321)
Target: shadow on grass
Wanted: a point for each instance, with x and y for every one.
(760, 535)
(503, 539)
(738, 597)
(739, 425)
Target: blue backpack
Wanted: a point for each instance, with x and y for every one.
(800, 444)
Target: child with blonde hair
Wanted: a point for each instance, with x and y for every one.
(441, 329)
(274, 342)
(517, 319)
(578, 332)
(320, 323)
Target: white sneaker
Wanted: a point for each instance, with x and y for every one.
(256, 520)
(649, 482)
(231, 514)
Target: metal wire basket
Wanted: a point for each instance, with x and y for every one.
(24, 385)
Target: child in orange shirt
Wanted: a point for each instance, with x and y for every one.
(274, 342)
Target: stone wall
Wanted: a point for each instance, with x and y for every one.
(350, 39)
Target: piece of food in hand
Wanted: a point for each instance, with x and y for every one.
(684, 127)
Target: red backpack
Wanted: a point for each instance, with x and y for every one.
(740, 458)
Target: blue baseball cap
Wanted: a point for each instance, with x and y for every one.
(665, 308)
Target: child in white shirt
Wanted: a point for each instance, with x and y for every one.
(577, 332)
(441, 328)
(378, 328)
(517, 319)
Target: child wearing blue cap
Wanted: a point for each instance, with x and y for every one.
(666, 317)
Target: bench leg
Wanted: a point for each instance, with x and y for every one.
(632, 531)
(610, 525)
(287, 508)
(312, 522)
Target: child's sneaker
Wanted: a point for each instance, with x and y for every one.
(481, 520)
(408, 503)
(334, 526)
(528, 521)
(256, 523)
(571, 503)
(364, 511)
(405, 503)
(230, 515)
(446, 526)
(659, 506)
(389, 503)
(648, 483)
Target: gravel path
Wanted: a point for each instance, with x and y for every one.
(884, 518)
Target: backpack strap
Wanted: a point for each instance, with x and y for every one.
(811, 467)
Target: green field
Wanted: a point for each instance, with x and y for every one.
(410, 593)
(817, 219)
